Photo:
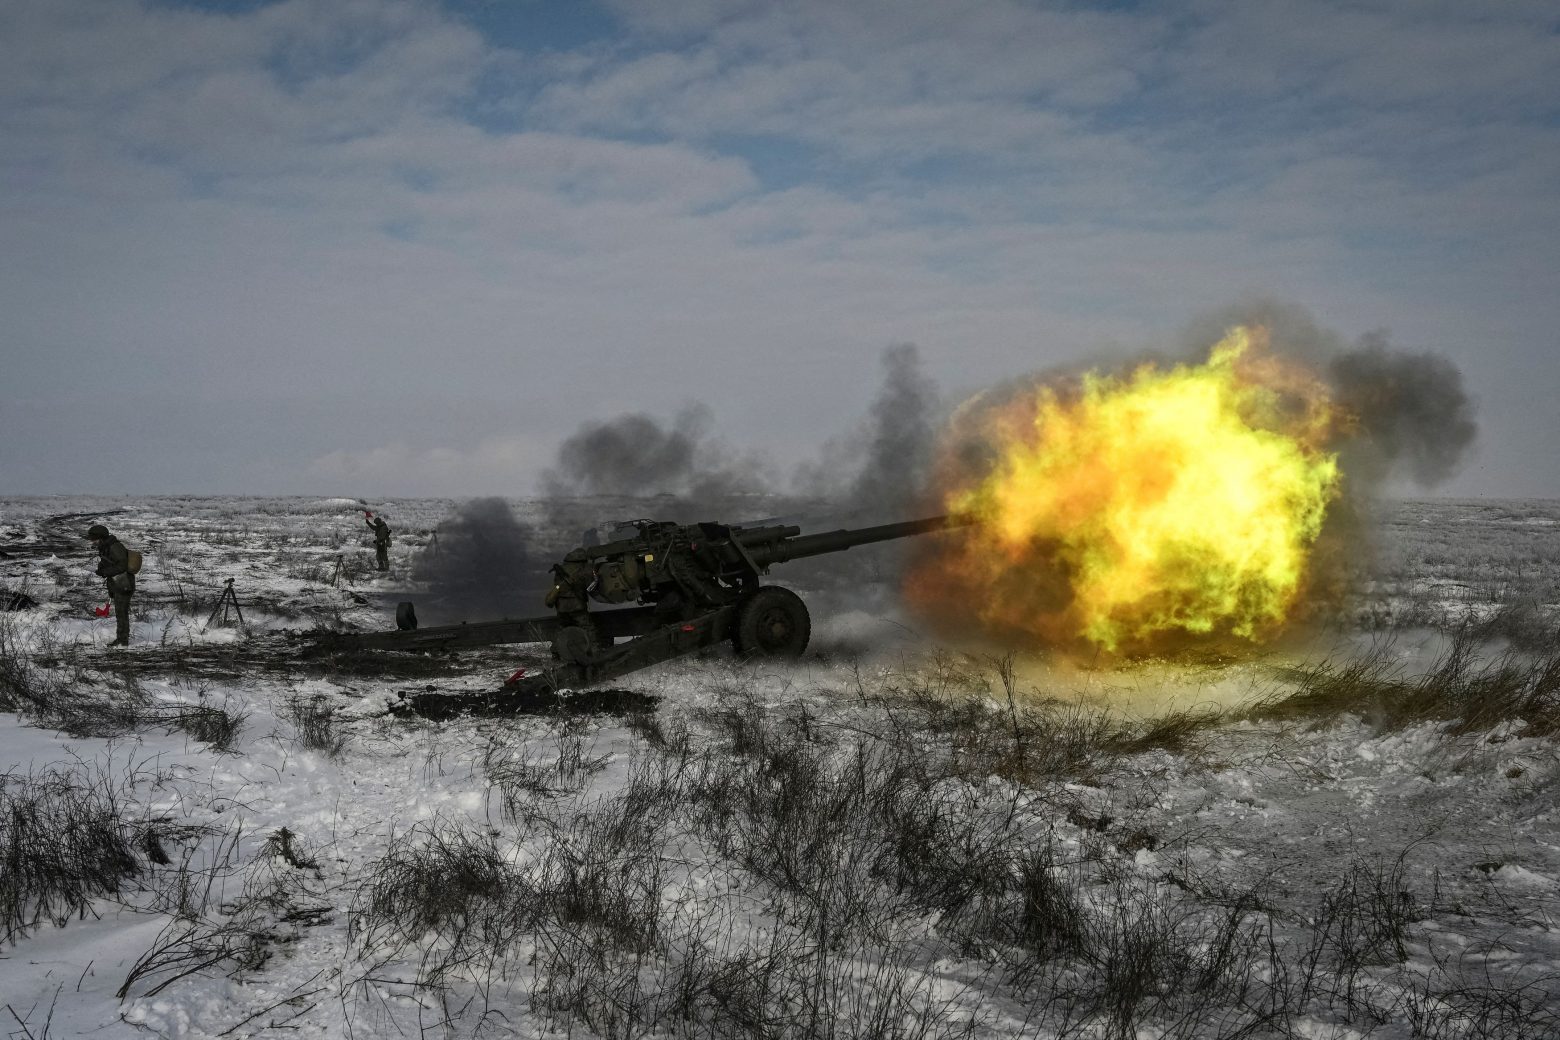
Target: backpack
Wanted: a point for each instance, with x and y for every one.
(133, 562)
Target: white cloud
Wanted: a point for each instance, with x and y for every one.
(302, 199)
(1463, 60)
(866, 79)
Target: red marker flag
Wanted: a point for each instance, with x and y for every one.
(103, 611)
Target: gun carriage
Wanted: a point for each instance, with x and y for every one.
(691, 586)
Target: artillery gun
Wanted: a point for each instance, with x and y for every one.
(691, 586)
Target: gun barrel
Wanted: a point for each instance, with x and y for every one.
(752, 537)
(796, 548)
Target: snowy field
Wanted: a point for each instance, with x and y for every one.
(211, 834)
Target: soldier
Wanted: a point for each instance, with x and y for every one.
(114, 568)
(381, 539)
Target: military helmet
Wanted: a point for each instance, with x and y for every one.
(97, 531)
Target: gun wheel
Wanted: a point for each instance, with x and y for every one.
(575, 644)
(772, 623)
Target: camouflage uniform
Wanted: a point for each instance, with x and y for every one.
(381, 541)
(114, 568)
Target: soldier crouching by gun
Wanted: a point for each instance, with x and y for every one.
(381, 539)
(114, 568)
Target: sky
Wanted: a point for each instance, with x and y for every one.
(403, 247)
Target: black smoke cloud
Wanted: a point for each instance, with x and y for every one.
(1415, 419)
(639, 455)
(1291, 329)
(488, 563)
(691, 473)
(482, 565)
(1412, 418)
(881, 468)
(878, 472)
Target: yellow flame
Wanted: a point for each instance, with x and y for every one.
(1167, 502)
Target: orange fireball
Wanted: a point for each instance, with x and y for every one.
(1130, 512)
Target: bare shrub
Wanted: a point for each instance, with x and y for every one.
(312, 572)
(314, 720)
(208, 723)
(602, 876)
(23, 684)
(784, 986)
(452, 884)
(671, 738)
(592, 898)
(211, 932)
(1105, 952)
(994, 731)
(1483, 1009)
(71, 701)
(1471, 693)
(1157, 957)
(1525, 623)
(352, 568)
(1480, 697)
(1177, 732)
(284, 845)
(93, 711)
(1364, 922)
(520, 777)
(1035, 746)
(851, 837)
(743, 723)
(1333, 687)
(1051, 922)
(64, 842)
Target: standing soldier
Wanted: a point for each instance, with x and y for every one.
(381, 539)
(114, 568)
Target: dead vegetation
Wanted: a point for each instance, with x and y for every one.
(64, 843)
(931, 853)
(1465, 689)
(834, 866)
(315, 724)
(215, 930)
(59, 689)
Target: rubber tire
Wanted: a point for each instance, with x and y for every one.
(773, 622)
(405, 617)
(575, 644)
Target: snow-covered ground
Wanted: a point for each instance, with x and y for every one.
(886, 838)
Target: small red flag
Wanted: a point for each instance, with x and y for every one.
(519, 674)
(103, 611)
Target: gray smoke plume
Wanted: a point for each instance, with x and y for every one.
(487, 563)
(881, 468)
(1292, 331)
(1415, 419)
(481, 565)
(691, 473)
(1410, 418)
(876, 473)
